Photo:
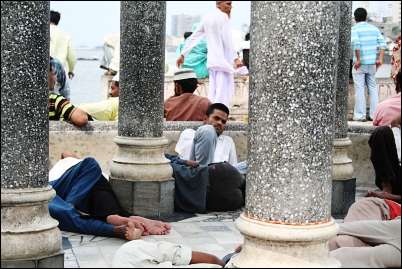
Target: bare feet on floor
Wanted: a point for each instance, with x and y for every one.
(155, 227)
(127, 231)
(119, 220)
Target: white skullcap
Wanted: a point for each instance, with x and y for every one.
(116, 77)
(184, 73)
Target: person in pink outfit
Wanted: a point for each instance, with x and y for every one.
(390, 108)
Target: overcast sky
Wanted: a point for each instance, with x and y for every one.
(88, 21)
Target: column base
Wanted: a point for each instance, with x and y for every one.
(141, 176)
(343, 196)
(54, 261)
(150, 199)
(268, 245)
(29, 236)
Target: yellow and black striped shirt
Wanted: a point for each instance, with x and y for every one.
(59, 107)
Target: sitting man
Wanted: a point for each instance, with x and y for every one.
(207, 175)
(108, 109)
(185, 105)
(60, 107)
(389, 108)
(62, 87)
(219, 148)
(385, 144)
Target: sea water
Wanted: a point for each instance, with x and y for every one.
(85, 87)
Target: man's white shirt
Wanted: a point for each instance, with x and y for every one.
(225, 150)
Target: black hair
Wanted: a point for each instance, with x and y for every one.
(50, 66)
(247, 37)
(360, 14)
(187, 85)
(116, 83)
(54, 17)
(398, 82)
(187, 34)
(218, 106)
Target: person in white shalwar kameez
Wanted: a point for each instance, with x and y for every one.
(162, 254)
(221, 57)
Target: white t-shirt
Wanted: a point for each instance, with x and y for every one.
(63, 165)
(225, 150)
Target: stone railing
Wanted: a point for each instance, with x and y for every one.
(238, 104)
(96, 140)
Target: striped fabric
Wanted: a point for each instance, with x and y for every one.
(365, 38)
(59, 107)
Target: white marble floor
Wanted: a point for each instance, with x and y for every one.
(214, 233)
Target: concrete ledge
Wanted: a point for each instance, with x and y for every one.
(55, 261)
(96, 140)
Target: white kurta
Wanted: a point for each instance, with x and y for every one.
(220, 56)
(221, 52)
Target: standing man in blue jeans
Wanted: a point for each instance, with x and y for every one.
(365, 38)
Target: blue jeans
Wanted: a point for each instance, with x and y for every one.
(364, 75)
(74, 187)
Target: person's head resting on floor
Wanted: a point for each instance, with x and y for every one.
(185, 81)
(114, 87)
(217, 115)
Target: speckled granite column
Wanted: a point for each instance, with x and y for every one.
(343, 184)
(141, 176)
(294, 54)
(29, 236)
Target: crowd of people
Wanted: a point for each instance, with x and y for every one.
(85, 202)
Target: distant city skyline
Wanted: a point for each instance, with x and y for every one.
(88, 21)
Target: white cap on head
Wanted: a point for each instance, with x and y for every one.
(116, 77)
(184, 73)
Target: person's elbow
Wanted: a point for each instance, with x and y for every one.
(79, 117)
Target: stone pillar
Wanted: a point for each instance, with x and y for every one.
(293, 62)
(29, 236)
(141, 176)
(343, 182)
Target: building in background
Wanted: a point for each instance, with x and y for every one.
(396, 12)
(183, 23)
(173, 42)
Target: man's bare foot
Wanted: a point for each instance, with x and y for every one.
(155, 227)
(119, 220)
(127, 231)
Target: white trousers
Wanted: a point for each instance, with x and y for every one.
(162, 254)
(221, 87)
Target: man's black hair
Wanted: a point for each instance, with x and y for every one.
(188, 85)
(218, 106)
(187, 34)
(360, 14)
(398, 82)
(50, 66)
(247, 37)
(54, 17)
